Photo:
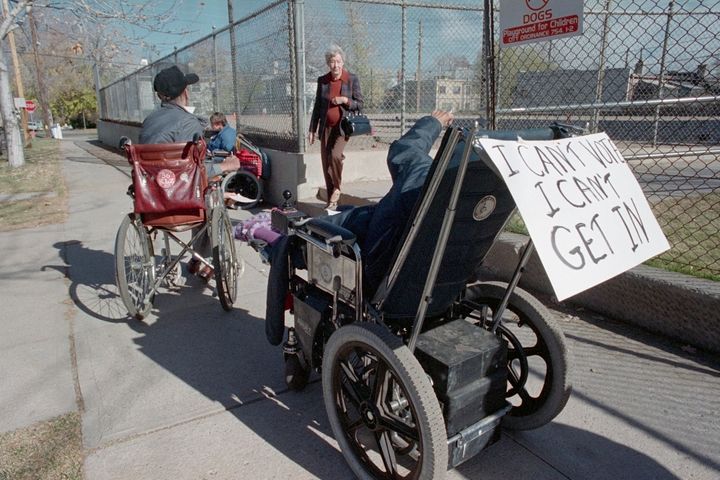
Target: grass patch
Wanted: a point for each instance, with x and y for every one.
(691, 225)
(41, 181)
(47, 450)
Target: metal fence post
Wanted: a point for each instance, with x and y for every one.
(216, 107)
(661, 79)
(403, 88)
(233, 58)
(601, 68)
(489, 66)
(298, 53)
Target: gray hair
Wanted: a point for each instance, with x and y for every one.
(332, 51)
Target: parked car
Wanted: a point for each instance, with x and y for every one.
(35, 126)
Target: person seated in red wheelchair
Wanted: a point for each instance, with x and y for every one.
(174, 122)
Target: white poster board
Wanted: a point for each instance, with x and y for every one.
(528, 21)
(582, 206)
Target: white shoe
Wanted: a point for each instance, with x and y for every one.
(236, 197)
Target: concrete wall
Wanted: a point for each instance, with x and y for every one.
(299, 173)
(109, 133)
(678, 306)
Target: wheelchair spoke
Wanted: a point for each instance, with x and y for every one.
(377, 394)
(400, 427)
(351, 391)
(534, 351)
(388, 453)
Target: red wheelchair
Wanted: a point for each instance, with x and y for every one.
(171, 194)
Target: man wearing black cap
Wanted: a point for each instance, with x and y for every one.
(172, 122)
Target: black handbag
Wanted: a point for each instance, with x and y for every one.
(355, 124)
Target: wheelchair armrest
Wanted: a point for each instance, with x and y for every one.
(330, 232)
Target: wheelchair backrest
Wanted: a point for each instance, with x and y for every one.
(169, 183)
(484, 207)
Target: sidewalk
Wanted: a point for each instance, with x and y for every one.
(197, 393)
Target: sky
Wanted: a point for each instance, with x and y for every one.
(689, 44)
(204, 15)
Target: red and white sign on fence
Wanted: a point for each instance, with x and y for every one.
(528, 21)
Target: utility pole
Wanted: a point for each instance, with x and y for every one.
(18, 79)
(38, 71)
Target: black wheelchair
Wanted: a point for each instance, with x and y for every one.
(419, 375)
(139, 272)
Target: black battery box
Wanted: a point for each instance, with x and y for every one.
(467, 365)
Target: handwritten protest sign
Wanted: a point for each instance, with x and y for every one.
(582, 206)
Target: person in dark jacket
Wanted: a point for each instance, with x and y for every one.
(338, 92)
(174, 122)
(378, 228)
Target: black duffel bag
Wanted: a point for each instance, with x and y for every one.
(354, 124)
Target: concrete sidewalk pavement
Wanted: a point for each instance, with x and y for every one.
(195, 392)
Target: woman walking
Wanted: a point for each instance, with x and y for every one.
(338, 92)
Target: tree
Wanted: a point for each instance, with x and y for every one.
(83, 30)
(510, 62)
(13, 137)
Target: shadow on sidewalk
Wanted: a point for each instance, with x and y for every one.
(225, 357)
(568, 452)
(222, 355)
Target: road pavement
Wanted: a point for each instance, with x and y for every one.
(195, 392)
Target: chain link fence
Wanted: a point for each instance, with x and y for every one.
(647, 72)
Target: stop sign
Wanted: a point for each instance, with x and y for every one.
(29, 106)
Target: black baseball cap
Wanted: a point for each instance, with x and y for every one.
(171, 82)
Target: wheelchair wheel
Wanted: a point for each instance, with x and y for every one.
(539, 382)
(381, 406)
(224, 258)
(245, 184)
(134, 267)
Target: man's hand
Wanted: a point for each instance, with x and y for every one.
(445, 118)
(311, 137)
(230, 164)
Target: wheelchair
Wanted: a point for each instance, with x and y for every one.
(139, 272)
(420, 374)
(248, 180)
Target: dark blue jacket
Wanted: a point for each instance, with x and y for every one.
(409, 162)
(223, 140)
(378, 228)
(350, 88)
